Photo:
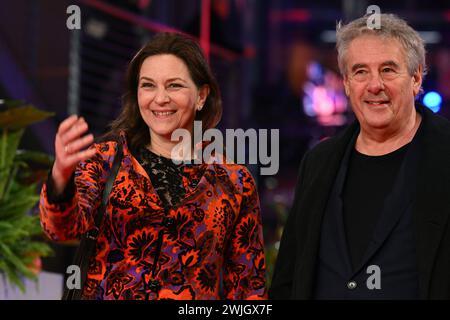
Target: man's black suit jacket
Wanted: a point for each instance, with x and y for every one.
(296, 263)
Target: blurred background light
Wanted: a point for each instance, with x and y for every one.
(432, 100)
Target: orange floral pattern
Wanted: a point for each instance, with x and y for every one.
(146, 251)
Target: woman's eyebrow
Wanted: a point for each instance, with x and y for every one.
(168, 80)
(175, 79)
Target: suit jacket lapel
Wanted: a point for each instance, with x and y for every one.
(397, 202)
(334, 212)
(316, 199)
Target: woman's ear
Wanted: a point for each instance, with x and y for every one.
(202, 95)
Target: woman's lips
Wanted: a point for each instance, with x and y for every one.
(163, 114)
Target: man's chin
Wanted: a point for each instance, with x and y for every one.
(378, 122)
(378, 125)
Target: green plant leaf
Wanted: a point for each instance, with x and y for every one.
(21, 239)
(11, 274)
(35, 157)
(20, 117)
(20, 206)
(9, 141)
(6, 252)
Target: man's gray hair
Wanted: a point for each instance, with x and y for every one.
(392, 27)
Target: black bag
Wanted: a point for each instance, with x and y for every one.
(89, 239)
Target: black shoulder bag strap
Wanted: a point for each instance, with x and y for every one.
(89, 240)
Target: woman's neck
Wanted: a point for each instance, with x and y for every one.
(167, 148)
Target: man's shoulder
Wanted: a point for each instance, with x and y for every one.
(441, 124)
(436, 129)
(324, 146)
(328, 146)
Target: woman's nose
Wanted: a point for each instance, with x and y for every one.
(161, 96)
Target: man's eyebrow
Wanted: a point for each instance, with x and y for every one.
(358, 65)
(390, 63)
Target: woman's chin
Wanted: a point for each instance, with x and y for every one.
(163, 132)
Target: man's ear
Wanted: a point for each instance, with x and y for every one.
(346, 85)
(417, 80)
(203, 93)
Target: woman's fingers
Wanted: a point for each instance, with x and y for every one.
(67, 124)
(70, 143)
(78, 144)
(74, 132)
(70, 149)
(73, 159)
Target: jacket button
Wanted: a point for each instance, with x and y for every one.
(352, 285)
(154, 285)
(167, 222)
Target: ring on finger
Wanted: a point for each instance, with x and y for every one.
(66, 148)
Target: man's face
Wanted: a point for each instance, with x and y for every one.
(378, 84)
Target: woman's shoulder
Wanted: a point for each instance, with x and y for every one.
(106, 150)
(220, 160)
(238, 174)
(107, 144)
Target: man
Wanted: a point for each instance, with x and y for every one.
(370, 219)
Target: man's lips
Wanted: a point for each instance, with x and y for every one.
(377, 102)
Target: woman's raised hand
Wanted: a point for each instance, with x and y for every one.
(70, 148)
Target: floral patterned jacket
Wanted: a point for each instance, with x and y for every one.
(210, 246)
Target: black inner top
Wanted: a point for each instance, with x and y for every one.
(369, 181)
(165, 175)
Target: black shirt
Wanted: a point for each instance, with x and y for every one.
(369, 181)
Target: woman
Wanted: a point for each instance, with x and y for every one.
(170, 231)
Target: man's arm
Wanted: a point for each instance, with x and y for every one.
(281, 287)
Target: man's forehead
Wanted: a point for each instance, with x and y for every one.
(375, 50)
(391, 63)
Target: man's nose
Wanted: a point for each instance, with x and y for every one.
(375, 84)
(161, 96)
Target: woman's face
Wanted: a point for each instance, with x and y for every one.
(167, 96)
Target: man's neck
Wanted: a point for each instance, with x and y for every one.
(377, 143)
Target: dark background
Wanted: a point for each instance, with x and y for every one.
(269, 56)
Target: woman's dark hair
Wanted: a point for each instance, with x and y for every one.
(189, 51)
